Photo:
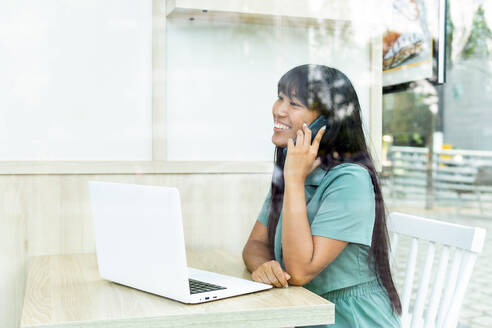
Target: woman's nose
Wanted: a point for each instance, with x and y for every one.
(280, 109)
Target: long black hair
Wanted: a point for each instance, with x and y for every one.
(330, 93)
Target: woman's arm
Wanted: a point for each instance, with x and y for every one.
(256, 251)
(259, 261)
(304, 255)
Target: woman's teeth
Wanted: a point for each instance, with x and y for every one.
(281, 126)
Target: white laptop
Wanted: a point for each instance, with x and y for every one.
(140, 243)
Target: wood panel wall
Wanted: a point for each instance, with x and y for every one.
(50, 214)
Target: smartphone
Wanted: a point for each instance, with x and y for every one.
(316, 125)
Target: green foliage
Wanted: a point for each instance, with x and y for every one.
(408, 119)
(476, 44)
(449, 33)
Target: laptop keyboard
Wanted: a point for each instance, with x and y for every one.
(197, 287)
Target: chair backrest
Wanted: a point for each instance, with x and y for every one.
(448, 287)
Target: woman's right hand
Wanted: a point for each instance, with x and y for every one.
(271, 273)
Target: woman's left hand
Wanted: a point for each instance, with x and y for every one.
(302, 157)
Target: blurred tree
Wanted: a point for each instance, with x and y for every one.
(407, 118)
(449, 34)
(476, 45)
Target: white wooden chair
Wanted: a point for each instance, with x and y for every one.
(448, 287)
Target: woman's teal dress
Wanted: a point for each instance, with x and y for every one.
(341, 205)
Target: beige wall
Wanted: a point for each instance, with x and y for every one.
(50, 214)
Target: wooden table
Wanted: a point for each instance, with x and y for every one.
(67, 291)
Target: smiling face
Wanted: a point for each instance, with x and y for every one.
(288, 116)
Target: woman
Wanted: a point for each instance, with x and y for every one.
(323, 225)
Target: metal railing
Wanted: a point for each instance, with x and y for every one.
(462, 174)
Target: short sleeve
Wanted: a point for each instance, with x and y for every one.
(265, 209)
(347, 208)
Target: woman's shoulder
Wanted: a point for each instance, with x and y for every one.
(348, 180)
(349, 171)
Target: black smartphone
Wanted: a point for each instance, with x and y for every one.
(315, 126)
